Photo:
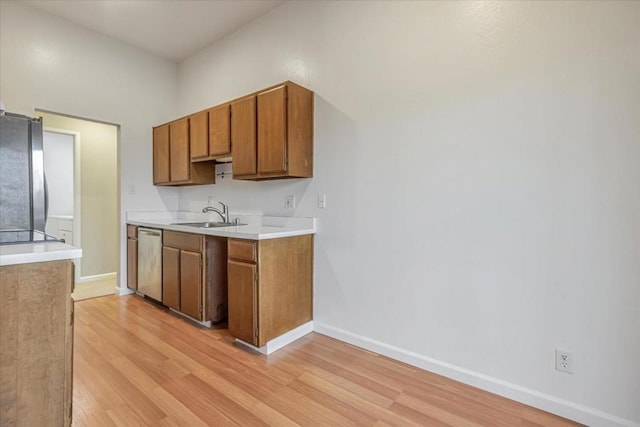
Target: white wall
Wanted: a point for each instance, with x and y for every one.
(58, 166)
(53, 65)
(480, 162)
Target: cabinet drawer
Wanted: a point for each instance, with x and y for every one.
(245, 250)
(187, 241)
(132, 231)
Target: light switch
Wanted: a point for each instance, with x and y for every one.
(322, 201)
(131, 189)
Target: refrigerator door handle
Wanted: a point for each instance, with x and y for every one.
(46, 198)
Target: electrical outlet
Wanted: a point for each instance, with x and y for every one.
(209, 200)
(564, 361)
(131, 189)
(290, 202)
(322, 201)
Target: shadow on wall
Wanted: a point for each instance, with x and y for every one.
(337, 166)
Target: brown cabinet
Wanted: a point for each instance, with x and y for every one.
(172, 163)
(132, 257)
(211, 134)
(243, 135)
(272, 134)
(191, 283)
(268, 134)
(272, 131)
(179, 150)
(194, 273)
(269, 286)
(161, 155)
(199, 135)
(242, 301)
(171, 277)
(220, 131)
(36, 344)
(182, 272)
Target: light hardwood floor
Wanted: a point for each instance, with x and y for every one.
(137, 364)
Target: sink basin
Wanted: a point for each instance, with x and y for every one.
(209, 224)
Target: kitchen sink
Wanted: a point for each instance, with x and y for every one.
(209, 224)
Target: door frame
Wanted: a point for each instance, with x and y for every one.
(120, 288)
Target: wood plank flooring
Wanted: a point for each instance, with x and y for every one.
(135, 364)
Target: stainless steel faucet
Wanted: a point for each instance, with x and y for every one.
(224, 213)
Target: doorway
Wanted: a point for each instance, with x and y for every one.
(59, 155)
(86, 179)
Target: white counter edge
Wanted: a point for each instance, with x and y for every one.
(37, 252)
(233, 231)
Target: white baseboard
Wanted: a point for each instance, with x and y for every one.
(97, 278)
(94, 286)
(206, 324)
(546, 402)
(123, 291)
(284, 339)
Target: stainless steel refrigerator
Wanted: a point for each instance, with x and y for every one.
(23, 195)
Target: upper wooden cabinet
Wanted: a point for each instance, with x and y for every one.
(272, 131)
(161, 155)
(172, 163)
(179, 150)
(268, 135)
(243, 134)
(210, 134)
(199, 135)
(220, 131)
(281, 141)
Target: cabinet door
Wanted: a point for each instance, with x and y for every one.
(199, 135)
(190, 283)
(171, 277)
(220, 131)
(179, 150)
(132, 264)
(272, 134)
(161, 154)
(243, 136)
(242, 301)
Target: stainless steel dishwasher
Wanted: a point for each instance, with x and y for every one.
(150, 262)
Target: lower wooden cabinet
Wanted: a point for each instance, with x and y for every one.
(194, 275)
(270, 286)
(132, 257)
(242, 300)
(263, 287)
(171, 277)
(191, 284)
(182, 272)
(36, 344)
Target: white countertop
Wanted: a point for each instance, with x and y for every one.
(37, 252)
(257, 227)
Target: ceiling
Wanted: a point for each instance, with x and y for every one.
(172, 29)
